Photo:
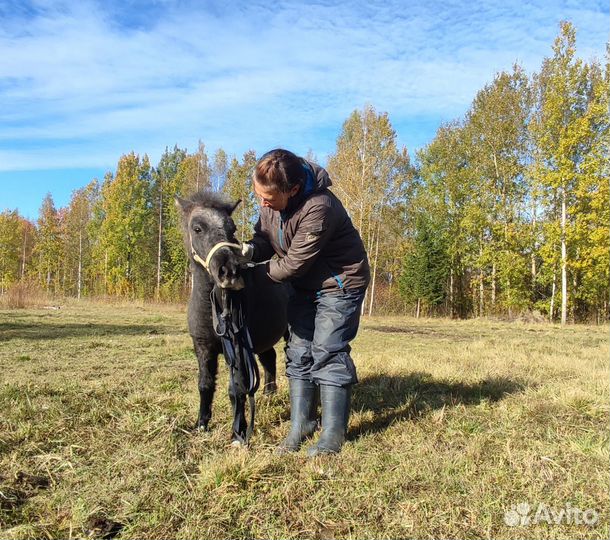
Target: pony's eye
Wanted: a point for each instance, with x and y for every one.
(197, 229)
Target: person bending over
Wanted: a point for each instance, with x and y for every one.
(321, 254)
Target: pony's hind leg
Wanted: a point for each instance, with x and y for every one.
(207, 358)
(268, 360)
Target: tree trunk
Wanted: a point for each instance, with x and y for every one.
(481, 283)
(244, 220)
(564, 260)
(451, 285)
(362, 307)
(64, 273)
(493, 286)
(80, 264)
(25, 235)
(553, 289)
(369, 233)
(60, 277)
(473, 294)
(418, 307)
(575, 306)
(374, 268)
(160, 234)
(534, 269)
(509, 295)
(362, 179)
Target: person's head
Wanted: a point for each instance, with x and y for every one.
(278, 175)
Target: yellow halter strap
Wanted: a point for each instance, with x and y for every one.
(206, 263)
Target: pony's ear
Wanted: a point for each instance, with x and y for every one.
(232, 206)
(182, 204)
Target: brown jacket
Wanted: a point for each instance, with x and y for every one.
(314, 238)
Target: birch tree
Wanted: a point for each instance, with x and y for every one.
(127, 235)
(12, 230)
(164, 190)
(368, 171)
(448, 190)
(48, 250)
(238, 186)
(562, 133)
(220, 167)
(77, 244)
(496, 147)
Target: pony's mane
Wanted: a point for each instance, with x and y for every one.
(210, 199)
(202, 199)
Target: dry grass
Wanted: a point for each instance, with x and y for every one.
(23, 294)
(453, 424)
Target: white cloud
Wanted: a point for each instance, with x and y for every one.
(79, 87)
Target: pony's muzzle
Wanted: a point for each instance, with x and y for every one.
(229, 278)
(235, 284)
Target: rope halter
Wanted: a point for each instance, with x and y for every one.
(206, 263)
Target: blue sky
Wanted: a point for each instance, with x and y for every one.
(83, 82)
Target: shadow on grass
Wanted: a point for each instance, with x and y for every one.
(393, 398)
(48, 330)
(421, 331)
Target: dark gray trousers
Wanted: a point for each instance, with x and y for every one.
(321, 326)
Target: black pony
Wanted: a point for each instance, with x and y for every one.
(209, 235)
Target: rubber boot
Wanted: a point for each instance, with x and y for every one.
(303, 409)
(335, 402)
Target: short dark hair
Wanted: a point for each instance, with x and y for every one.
(280, 169)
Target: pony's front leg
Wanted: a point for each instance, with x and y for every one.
(207, 357)
(240, 424)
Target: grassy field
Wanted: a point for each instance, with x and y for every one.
(472, 429)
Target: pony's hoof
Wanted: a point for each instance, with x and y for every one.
(269, 389)
(201, 426)
(238, 444)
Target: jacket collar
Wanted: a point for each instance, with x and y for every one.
(312, 184)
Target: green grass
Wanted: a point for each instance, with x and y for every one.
(453, 424)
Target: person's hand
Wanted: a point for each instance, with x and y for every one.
(256, 273)
(247, 251)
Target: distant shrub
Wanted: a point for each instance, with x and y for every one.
(23, 295)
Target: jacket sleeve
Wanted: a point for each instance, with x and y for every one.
(313, 233)
(263, 250)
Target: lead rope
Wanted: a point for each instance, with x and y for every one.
(228, 317)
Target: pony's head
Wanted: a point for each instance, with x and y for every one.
(208, 228)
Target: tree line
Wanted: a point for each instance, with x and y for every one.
(505, 211)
